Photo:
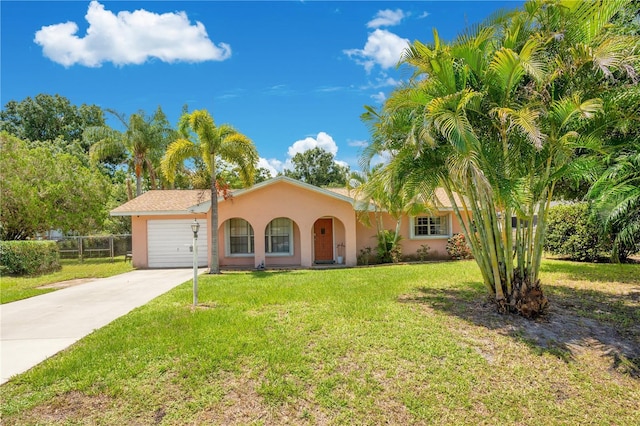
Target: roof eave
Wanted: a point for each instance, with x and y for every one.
(206, 205)
(153, 213)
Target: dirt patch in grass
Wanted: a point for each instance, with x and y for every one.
(581, 322)
(71, 407)
(243, 404)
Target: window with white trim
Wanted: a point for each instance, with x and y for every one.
(239, 237)
(430, 226)
(278, 238)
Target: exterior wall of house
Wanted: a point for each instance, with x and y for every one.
(367, 236)
(139, 242)
(139, 246)
(302, 206)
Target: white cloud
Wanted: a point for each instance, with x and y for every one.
(323, 141)
(129, 38)
(379, 97)
(424, 15)
(383, 48)
(386, 18)
(385, 81)
(274, 166)
(383, 158)
(342, 163)
(358, 144)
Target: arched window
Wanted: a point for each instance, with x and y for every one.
(239, 237)
(278, 237)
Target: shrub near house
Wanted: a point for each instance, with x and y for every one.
(458, 248)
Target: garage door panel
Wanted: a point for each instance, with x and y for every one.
(169, 243)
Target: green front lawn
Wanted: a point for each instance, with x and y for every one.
(17, 288)
(410, 344)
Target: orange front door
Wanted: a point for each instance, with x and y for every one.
(323, 235)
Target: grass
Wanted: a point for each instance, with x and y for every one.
(17, 288)
(411, 344)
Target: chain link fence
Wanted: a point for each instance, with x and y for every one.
(94, 246)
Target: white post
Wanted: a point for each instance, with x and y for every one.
(195, 227)
(195, 269)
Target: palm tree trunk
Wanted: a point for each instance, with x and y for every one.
(470, 235)
(138, 186)
(214, 262)
(129, 189)
(152, 174)
(138, 170)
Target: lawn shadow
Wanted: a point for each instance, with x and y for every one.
(577, 321)
(261, 274)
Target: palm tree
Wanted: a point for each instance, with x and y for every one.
(384, 191)
(617, 199)
(497, 117)
(140, 145)
(212, 144)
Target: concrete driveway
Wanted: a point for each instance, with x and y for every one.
(34, 329)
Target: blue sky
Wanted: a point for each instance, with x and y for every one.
(290, 75)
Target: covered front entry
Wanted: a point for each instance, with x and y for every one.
(323, 240)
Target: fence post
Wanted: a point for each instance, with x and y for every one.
(80, 249)
(111, 246)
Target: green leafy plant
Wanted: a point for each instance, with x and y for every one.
(423, 252)
(365, 256)
(458, 248)
(573, 231)
(28, 257)
(389, 249)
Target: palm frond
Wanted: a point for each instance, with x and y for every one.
(179, 151)
(238, 149)
(105, 142)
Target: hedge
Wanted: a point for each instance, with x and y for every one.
(29, 257)
(573, 231)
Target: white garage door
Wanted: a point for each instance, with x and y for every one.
(169, 243)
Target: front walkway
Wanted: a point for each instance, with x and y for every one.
(34, 329)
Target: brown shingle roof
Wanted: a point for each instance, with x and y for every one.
(179, 201)
(440, 195)
(163, 202)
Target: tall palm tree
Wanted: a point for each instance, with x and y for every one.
(497, 117)
(200, 137)
(382, 190)
(140, 146)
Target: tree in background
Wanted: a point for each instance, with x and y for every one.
(43, 190)
(201, 138)
(317, 167)
(140, 146)
(499, 116)
(230, 174)
(47, 118)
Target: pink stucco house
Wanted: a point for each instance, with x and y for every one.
(276, 223)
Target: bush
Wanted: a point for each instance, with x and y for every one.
(364, 258)
(389, 249)
(458, 248)
(29, 257)
(574, 232)
(423, 252)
